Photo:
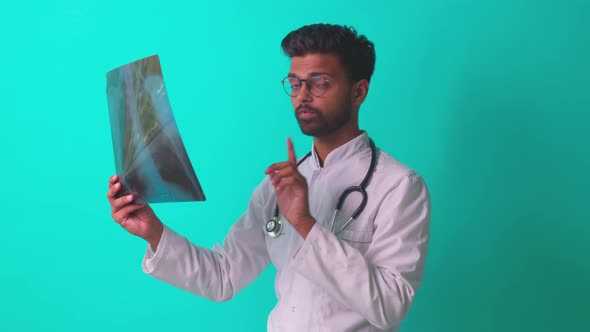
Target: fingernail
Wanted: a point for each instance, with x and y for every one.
(130, 198)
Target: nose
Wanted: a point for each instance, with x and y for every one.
(304, 95)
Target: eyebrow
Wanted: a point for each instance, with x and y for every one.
(312, 74)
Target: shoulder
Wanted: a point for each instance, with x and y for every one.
(400, 187)
(392, 172)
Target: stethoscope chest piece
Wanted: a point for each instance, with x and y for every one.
(273, 227)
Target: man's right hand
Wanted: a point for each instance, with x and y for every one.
(137, 218)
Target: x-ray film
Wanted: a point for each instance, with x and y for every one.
(149, 154)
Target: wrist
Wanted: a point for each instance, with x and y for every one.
(155, 235)
(304, 226)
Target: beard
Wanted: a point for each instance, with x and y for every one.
(317, 124)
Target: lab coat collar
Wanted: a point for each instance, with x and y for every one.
(343, 152)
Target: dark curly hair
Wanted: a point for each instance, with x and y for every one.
(356, 52)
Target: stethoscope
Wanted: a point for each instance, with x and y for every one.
(274, 226)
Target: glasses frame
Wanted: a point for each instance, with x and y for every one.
(309, 87)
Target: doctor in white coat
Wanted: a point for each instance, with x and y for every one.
(334, 272)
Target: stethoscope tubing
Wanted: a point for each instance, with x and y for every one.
(360, 188)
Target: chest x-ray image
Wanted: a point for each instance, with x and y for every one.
(149, 154)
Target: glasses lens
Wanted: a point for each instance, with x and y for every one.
(319, 85)
(292, 86)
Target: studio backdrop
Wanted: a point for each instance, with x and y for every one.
(488, 100)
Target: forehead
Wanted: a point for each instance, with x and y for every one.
(304, 66)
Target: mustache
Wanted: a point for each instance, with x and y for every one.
(306, 108)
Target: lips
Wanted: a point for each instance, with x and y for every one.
(306, 113)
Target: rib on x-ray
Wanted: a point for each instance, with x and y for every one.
(149, 154)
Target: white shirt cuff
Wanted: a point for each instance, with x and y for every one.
(151, 258)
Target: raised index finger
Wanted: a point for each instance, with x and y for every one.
(291, 151)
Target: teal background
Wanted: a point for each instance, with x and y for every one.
(488, 100)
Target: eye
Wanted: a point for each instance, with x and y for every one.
(321, 84)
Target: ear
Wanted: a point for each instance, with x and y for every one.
(359, 92)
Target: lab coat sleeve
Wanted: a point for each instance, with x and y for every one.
(216, 274)
(379, 285)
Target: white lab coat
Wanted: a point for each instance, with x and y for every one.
(362, 279)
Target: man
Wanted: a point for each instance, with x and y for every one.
(334, 273)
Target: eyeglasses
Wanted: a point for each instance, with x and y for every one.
(316, 85)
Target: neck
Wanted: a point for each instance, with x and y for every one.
(326, 144)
